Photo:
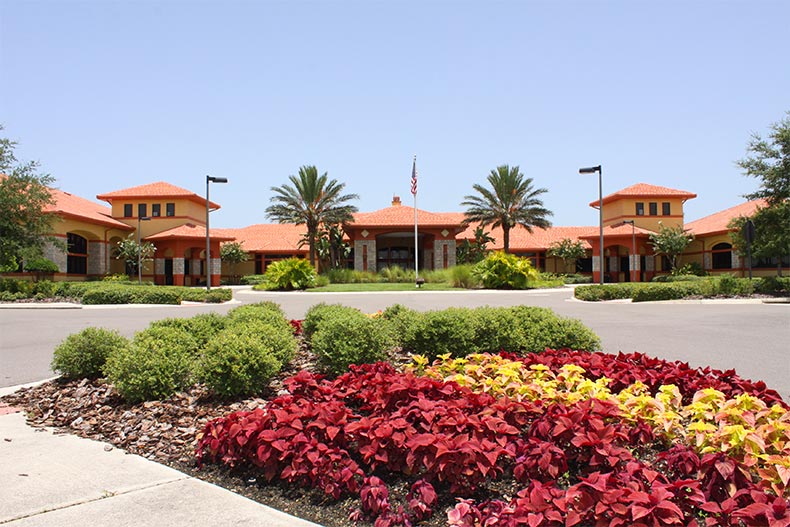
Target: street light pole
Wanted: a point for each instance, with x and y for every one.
(632, 266)
(592, 170)
(210, 179)
(140, 250)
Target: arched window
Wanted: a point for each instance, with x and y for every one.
(77, 262)
(722, 256)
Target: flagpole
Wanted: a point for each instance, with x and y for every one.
(416, 249)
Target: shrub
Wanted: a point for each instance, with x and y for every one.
(320, 313)
(396, 274)
(501, 270)
(193, 294)
(266, 312)
(201, 327)
(690, 269)
(496, 329)
(154, 295)
(677, 278)
(239, 363)
(40, 265)
(346, 337)
(253, 279)
(773, 285)
(402, 322)
(108, 295)
(8, 296)
(596, 293)
(83, 354)
(436, 333)
(158, 363)
(667, 291)
(351, 276)
(730, 286)
(12, 285)
(290, 274)
(278, 338)
(117, 278)
(541, 328)
(576, 279)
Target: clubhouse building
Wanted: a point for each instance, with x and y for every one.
(173, 219)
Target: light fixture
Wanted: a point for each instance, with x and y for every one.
(593, 170)
(210, 179)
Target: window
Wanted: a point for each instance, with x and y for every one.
(156, 210)
(666, 210)
(77, 254)
(722, 256)
(653, 208)
(142, 210)
(127, 210)
(170, 209)
(640, 209)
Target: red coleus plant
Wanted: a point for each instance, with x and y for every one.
(422, 499)
(539, 460)
(767, 510)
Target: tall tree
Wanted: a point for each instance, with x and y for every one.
(313, 201)
(511, 200)
(24, 196)
(769, 161)
(233, 253)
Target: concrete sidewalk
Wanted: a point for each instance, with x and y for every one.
(62, 480)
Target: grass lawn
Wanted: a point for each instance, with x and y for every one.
(351, 288)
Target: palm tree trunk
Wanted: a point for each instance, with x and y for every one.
(506, 237)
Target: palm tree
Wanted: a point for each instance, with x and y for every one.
(510, 201)
(312, 201)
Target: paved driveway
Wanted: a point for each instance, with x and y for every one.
(752, 338)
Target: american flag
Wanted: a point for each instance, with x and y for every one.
(414, 177)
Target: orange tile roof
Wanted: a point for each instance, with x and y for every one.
(645, 190)
(717, 222)
(69, 205)
(537, 240)
(403, 216)
(160, 189)
(190, 231)
(269, 237)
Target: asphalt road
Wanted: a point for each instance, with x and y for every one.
(752, 338)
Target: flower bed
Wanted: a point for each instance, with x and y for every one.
(562, 438)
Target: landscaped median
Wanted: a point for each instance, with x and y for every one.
(107, 292)
(406, 418)
(685, 287)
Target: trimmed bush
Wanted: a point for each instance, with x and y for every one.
(83, 354)
(320, 313)
(596, 293)
(541, 328)
(496, 329)
(154, 295)
(279, 339)
(158, 363)
(348, 337)
(192, 294)
(439, 332)
(252, 279)
(201, 327)
(402, 321)
(773, 285)
(236, 364)
(266, 312)
(669, 291)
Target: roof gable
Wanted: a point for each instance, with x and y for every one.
(645, 190)
(160, 189)
(69, 205)
(403, 215)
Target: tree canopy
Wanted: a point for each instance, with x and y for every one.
(509, 201)
(24, 197)
(671, 241)
(313, 201)
(568, 250)
(769, 161)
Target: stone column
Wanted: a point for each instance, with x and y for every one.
(57, 255)
(97, 257)
(438, 253)
(371, 250)
(707, 261)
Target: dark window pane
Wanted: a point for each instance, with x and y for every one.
(666, 210)
(640, 209)
(142, 210)
(76, 244)
(156, 210)
(170, 209)
(654, 209)
(77, 264)
(127, 210)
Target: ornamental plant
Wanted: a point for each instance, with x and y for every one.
(83, 354)
(501, 270)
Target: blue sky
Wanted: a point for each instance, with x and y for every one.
(108, 95)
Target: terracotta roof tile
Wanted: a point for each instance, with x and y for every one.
(717, 222)
(269, 237)
(80, 208)
(160, 189)
(537, 240)
(190, 231)
(403, 215)
(647, 191)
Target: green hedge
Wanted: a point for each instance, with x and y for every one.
(348, 337)
(159, 362)
(83, 354)
(117, 294)
(318, 314)
(595, 293)
(266, 312)
(679, 287)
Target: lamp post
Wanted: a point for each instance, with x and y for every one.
(140, 250)
(632, 266)
(210, 179)
(593, 170)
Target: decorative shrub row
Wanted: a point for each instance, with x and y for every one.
(678, 288)
(572, 464)
(234, 355)
(109, 292)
